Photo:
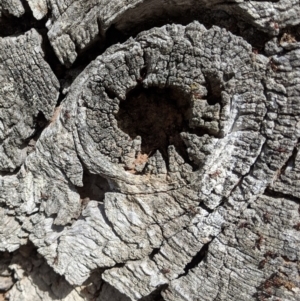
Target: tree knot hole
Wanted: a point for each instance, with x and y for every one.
(158, 116)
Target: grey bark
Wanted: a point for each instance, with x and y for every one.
(164, 167)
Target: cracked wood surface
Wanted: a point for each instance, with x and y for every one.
(75, 25)
(166, 168)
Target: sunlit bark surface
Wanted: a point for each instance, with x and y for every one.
(149, 150)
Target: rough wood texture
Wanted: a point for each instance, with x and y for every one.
(164, 169)
(75, 25)
(29, 92)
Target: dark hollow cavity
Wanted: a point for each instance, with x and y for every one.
(40, 122)
(213, 86)
(158, 116)
(14, 26)
(94, 187)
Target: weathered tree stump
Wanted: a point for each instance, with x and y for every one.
(149, 150)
